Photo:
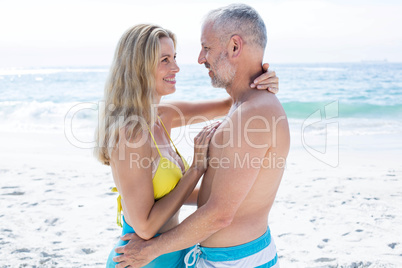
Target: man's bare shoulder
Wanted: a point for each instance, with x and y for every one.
(263, 104)
(264, 111)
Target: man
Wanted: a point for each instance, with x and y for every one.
(247, 157)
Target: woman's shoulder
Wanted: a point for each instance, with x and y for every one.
(128, 146)
(168, 112)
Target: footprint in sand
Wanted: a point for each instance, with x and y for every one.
(45, 261)
(46, 255)
(9, 187)
(15, 193)
(324, 260)
(280, 235)
(87, 250)
(21, 250)
(51, 222)
(392, 245)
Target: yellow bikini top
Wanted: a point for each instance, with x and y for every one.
(168, 174)
(166, 177)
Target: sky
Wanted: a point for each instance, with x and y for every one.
(85, 32)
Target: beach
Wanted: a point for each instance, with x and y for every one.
(339, 65)
(338, 204)
(57, 209)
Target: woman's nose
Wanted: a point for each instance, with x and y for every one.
(175, 67)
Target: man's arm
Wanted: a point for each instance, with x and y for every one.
(230, 187)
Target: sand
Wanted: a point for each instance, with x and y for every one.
(56, 208)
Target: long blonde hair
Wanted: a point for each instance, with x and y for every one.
(130, 87)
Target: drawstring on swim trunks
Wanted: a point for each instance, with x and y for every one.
(192, 253)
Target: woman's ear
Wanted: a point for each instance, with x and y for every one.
(236, 46)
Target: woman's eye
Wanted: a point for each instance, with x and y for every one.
(165, 60)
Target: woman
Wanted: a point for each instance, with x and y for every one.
(153, 180)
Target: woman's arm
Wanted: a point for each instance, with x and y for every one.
(133, 177)
(193, 198)
(184, 113)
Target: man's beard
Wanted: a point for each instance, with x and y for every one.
(224, 72)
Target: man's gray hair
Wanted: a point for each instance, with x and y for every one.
(239, 19)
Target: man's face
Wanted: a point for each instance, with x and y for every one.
(215, 58)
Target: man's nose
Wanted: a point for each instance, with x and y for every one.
(201, 57)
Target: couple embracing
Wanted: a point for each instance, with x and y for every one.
(241, 159)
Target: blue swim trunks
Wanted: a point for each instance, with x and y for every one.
(260, 252)
(170, 260)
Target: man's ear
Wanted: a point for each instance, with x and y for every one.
(236, 46)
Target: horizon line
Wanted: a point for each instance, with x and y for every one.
(196, 64)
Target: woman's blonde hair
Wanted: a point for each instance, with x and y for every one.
(130, 87)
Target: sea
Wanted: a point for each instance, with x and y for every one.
(362, 98)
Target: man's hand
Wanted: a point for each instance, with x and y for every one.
(267, 80)
(135, 254)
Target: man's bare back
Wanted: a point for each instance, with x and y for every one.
(251, 218)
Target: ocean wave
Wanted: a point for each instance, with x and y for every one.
(345, 109)
(46, 116)
(345, 127)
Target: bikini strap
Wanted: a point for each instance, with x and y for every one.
(119, 207)
(168, 135)
(154, 141)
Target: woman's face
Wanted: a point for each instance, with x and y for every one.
(167, 68)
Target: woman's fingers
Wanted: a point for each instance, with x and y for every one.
(273, 90)
(268, 80)
(271, 85)
(265, 78)
(204, 136)
(201, 144)
(201, 133)
(208, 128)
(211, 133)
